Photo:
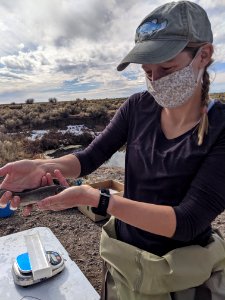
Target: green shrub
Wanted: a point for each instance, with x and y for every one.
(30, 101)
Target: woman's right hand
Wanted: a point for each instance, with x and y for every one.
(30, 174)
(21, 175)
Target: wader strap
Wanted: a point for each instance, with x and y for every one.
(104, 276)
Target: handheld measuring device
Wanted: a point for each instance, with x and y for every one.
(22, 270)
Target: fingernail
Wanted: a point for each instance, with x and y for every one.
(8, 194)
(13, 208)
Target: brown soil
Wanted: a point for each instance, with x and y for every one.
(77, 233)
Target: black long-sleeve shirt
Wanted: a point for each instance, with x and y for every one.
(174, 172)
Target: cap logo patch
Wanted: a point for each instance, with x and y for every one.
(146, 30)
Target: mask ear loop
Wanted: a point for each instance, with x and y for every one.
(196, 55)
(200, 76)
(148, 83)
(201, 71)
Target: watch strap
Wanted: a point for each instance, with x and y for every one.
(103, 203)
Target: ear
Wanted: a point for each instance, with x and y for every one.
(206, 54)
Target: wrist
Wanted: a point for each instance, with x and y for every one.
(46, 165)
(91, 196)
(69, 165)
(103, 204)
(49, 165)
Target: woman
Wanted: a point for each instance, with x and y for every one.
(159, 244)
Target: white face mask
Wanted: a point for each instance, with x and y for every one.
(176, 88)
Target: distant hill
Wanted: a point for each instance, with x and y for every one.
(218, 96)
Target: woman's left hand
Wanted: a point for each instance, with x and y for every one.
(70, 197)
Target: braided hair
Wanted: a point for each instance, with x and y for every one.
(204, 122)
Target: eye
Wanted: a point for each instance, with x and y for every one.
(167, 68)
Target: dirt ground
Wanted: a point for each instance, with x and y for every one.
(77, 233)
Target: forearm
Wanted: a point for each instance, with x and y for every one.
(69, 165)
(157, 219)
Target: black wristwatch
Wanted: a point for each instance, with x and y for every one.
(103, 203)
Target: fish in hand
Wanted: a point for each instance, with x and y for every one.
(32, 196)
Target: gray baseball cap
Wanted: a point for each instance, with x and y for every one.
(167, 31)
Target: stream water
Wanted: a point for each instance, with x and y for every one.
(117, 160)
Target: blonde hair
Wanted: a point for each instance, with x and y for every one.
(204, 122)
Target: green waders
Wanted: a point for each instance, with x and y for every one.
(188, 273)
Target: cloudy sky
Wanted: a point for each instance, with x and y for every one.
(70, 49)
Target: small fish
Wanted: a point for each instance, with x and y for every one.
(32, 196)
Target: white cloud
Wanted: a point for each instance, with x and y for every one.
(21, 46)
(219, 78)
(47, 43)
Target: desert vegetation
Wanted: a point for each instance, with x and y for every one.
(218, 96)
(13, 147)
(54, 114)
(18, 120)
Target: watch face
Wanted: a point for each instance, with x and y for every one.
(105, 192)
(103, 203)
